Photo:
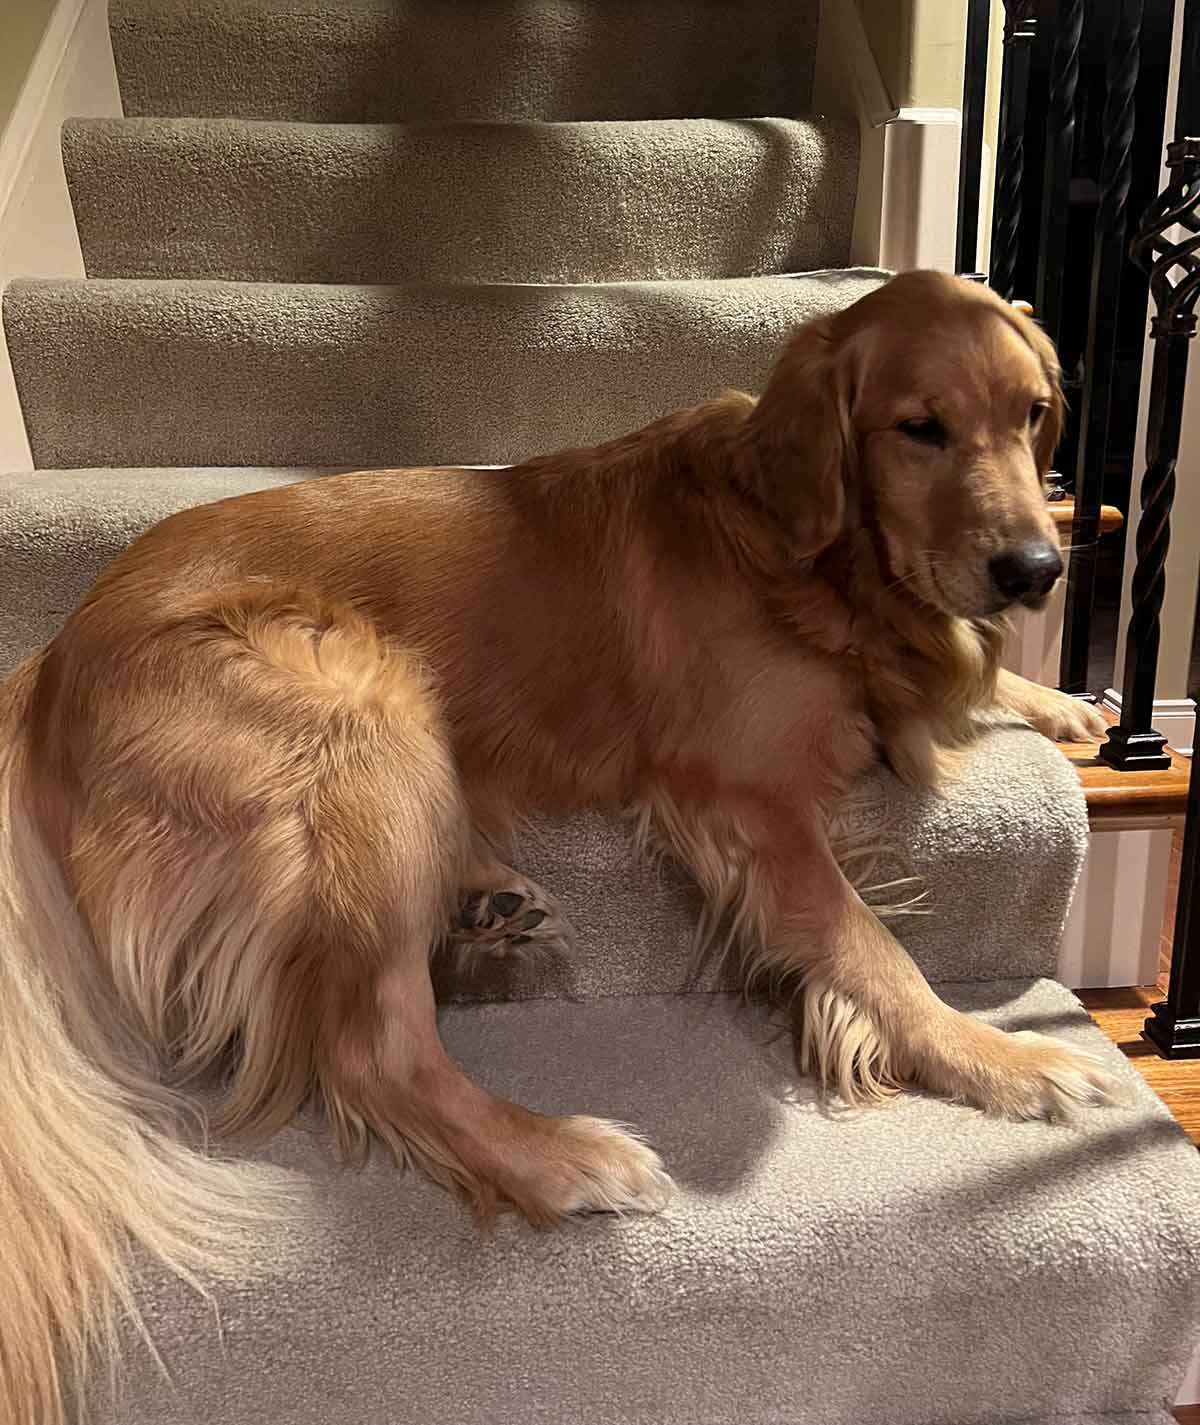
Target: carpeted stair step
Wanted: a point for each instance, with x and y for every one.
(212, 373)
(388, 61)
(1018, 810)
(584, 202)
(908, 1265)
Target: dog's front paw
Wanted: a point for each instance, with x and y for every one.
(1063, 718)
(1021, 1075)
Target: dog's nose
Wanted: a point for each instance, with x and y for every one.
(1030, 568)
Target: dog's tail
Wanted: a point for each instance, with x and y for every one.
(92, 1157)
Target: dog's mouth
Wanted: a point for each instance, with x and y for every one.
(944, 601)
(1035, 602)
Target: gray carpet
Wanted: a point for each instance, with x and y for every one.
(392, 61)
(914, 1265)
(237, 373)
(278, 202)
(920, 1265)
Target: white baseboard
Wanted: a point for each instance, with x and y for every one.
(1175, 718)
(72, 75)
(1111, 939)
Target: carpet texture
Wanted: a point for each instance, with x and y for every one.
(916, 1264)
(237, 373)
(392, 61)
(589, 202)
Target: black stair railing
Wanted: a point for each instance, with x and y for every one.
(1020, 30)
(1167, 247)
(970, 157)
(1108, 258)
(1030, 216)
(1032, 240)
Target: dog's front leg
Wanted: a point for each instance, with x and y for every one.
(1054, 714)
(867, 1020)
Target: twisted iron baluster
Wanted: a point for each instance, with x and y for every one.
(1173, 1027)
(1174, 271)
(1108, 257)
(1020, 27)
(1060, 152)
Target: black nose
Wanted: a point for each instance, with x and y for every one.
(1030, 568)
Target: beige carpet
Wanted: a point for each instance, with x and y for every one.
(119, 372)
(592, 202)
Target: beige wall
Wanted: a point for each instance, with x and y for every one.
(22, 24)
(918, 45)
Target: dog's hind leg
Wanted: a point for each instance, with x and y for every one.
(268, 872)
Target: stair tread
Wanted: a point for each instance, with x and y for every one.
(228, 373)
(574, 202)
(793, 1222)
(427, 59)
(1115, 796)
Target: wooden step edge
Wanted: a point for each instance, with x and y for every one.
(1062, 512)
(1115, 797)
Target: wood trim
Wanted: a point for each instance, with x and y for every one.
(1062, 512)
(1114, 796)
(28, 113)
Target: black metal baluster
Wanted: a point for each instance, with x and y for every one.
(1174, 1025)
(1066, 27)
(1174, 271)
(1020, 27)
(1108, 257)
(970, 153)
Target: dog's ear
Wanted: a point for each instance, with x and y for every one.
(1050, 427)
(798, 445)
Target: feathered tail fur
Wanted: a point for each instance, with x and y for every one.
(92, 1157)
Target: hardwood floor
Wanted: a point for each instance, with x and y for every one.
(1187, 1414)
(1120, 1014)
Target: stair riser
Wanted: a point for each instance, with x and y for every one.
(144, 373)
(475, 203)
(360, 62)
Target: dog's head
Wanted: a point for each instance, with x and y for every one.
(928, 413)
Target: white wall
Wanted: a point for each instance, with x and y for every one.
(69, 74)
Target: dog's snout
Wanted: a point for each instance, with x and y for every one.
(1030, 568)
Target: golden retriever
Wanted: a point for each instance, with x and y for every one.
(273, 759)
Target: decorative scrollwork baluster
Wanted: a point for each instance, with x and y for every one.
(1173, 265)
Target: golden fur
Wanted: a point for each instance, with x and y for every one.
(251, 781)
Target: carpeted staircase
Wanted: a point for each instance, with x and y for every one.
(341, 233)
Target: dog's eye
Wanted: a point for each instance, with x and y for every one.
(928, 430)
(1036, 412)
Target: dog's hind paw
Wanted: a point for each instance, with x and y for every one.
(518, 922)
